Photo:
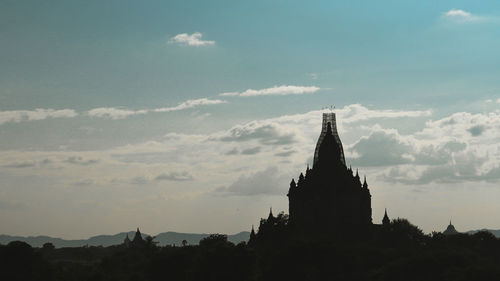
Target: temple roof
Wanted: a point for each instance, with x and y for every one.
(450, 230)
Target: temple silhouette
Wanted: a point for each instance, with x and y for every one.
(329, 198)
(450, 230)
(137, 242)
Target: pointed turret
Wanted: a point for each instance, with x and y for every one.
(301, 180)
(253, 236)
(365, 185)
(357, 177)
(270, 217)
(308, 172)
(386, 220)
(293, 188)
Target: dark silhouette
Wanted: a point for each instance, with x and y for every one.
(450, 230)
(386, 220)
(329, 197)
(329, 201)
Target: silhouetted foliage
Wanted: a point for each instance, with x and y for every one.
(215, 240)
(19, 261)
(48, 246)
(399, 251)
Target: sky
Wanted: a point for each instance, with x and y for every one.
(194, 116)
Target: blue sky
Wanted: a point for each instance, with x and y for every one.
(118, 107)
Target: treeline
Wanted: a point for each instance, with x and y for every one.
(398, 251)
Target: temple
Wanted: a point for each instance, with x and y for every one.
(329, 196)
(450, 230)
(137, 242)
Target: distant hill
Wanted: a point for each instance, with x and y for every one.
(165, 238)
(494, 232)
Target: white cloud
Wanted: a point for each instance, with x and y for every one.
(459, 148)
(266, 132)
(118, 113)
(458, 15)
(32, 115)
(113, 112)
(276, 90)
(357, 112)
(265, 182)
(190, 104)
(190, 40)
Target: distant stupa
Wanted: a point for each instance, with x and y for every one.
(450, 230)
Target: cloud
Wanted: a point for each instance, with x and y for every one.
(139, 180)
(461, 16)
(194, 39)
(119, 113)
(27, 164)
(266, 182)
(356, 112)
(32, 115)
(233, 151)
(267, 133)
(276, 90)
(83, 182)
(113, 112)
(381, 148)
(476, 130)
(285, 153)
(78, 160)
(190, 104)
(175, 176)
(251, 151)
(458, 148)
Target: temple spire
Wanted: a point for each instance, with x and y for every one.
(329, 127)
(385, 220)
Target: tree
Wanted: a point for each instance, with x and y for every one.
(214, 240)
(48, 246)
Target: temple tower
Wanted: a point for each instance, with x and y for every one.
(329, 198)
(329, 120)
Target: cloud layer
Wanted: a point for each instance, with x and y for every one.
(32, 115)
(113, 112)
(276, 90)
(190, 40)
(458, 15)
(118, 113)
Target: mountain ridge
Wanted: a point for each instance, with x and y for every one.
(164, 238)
